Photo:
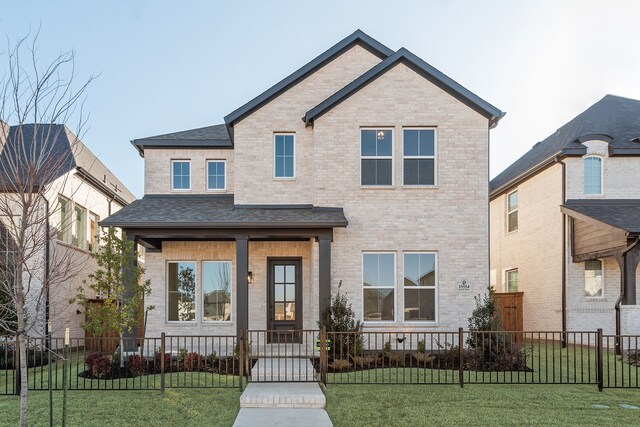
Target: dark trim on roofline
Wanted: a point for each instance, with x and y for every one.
(357, 37)
(225, 225)
(150, 144)
(595, 137)
(421, 67)
(104, 189)
(526, 175)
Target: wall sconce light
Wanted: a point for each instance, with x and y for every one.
(250, 278)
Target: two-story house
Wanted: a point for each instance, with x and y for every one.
(77, 190)
(366, 166)
(565, 223)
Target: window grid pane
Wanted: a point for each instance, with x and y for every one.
(512, 211)
(181, 175)
(181, 291)
(419, 157)
(215, 179)
(593, 278)
(512, 281)
(420, 282)
(378, 275)
(376, 157)
(216, 288)
(284, 156)
(593, 175)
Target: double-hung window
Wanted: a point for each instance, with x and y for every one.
(593, 278)
(80, 229)
(94, 232)
(180, 175)
(512, 211)
(65, 233)
(379, 282)
(593, 175)
(420, 287)
(284, 160)
(216, 291)
(376, 157)
(216, 175)
(419, 149)
(181, 291)
(512, 280)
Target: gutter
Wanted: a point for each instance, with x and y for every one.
(102, 187)
(622, 292)
(527, 174)
(47, 258)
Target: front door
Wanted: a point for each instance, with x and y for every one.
(284, 295)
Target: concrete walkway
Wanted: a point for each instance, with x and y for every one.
(283, 404)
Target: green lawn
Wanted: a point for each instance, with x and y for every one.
(348, 405)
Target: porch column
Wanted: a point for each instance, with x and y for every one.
(628, 264)
(324, 273)
(242, 285)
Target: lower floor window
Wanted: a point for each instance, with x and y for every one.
(378, 282)
(512, 280)
(593, 278)
(181, 289)
(420, 280)
(216, 290)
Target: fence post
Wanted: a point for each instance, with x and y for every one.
(461, 357)
(162, 367)
(241, 355)
(600, 369)
(323, 355)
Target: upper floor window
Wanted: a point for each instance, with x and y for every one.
(376, 157)
(420, 280)
(180, 175)
(593, 278)
(512, 211)
(379, 283)
(94, 232)
(80, 229)
(512, 280)
(592, 175)
(216, 175)
(284, 160)
(66, 220)
(419, 156)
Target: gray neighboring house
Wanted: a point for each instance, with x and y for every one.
(346, 171)
(565, 223)
(84, 192)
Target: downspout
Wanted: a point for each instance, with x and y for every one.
(564, 252)
(622, 285)
(47, 267)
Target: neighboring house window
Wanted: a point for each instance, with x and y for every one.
(593, 175)
(181, 291)
(419, 156)
(94, 232)
(593, 278)
(216, 291)
(376, 157)
(512, 211)
(216, 175)
(512, 280)
(420, 282)
(284, 160)
(66, 220)
(379, 282)
(181, 175)
(80, 229)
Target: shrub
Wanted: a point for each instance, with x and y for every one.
(340, 317)
(99, 365)
(340, 365)
(422, 348)
(365, 361)
(136, 365)
(212, 358)
(423, 358)
(387, 347)
(157, 359)
(192, 362)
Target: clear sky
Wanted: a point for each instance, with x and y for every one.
(173, 65)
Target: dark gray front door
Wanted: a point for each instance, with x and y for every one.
(284, 293)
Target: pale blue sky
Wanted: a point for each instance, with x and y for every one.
(172, 65)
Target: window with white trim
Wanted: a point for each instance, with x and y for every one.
(420, 287)
(181, 291)
(512, 280)
(80, 229)
(512, 211)
(593, 278)
(65, 233)
(94, 232)
(376, 157)
(593, 175)
(216, 291)
(419, 156)
(284, 156)
(216, 175)
(180, 175)
(379, 283)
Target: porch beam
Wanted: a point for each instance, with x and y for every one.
(148, 234)
(324, 274)
(242, 284)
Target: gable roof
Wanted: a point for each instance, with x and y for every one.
(31, 139)
(216, 136)
(358, 37)
(623, 214)
(613, 119)
(421, 67)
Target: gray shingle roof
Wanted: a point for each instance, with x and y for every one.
(613, 117)
(420, 66)
(70, 152)
(216, 136)
(619, 213)
(219, 211)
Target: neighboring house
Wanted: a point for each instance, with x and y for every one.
(565, 221)
(365, 167)
(82, 192)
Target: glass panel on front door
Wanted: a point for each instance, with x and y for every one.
(284, 292)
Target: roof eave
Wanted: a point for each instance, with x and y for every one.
(223, 225)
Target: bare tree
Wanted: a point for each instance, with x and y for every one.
(32, 170)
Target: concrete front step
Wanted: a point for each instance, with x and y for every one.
(283, 395)
(261, 417)
(291, 369)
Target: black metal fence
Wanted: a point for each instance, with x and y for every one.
(389, 357)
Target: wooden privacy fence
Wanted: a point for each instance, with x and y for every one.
(509, 307)
(420, 357)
